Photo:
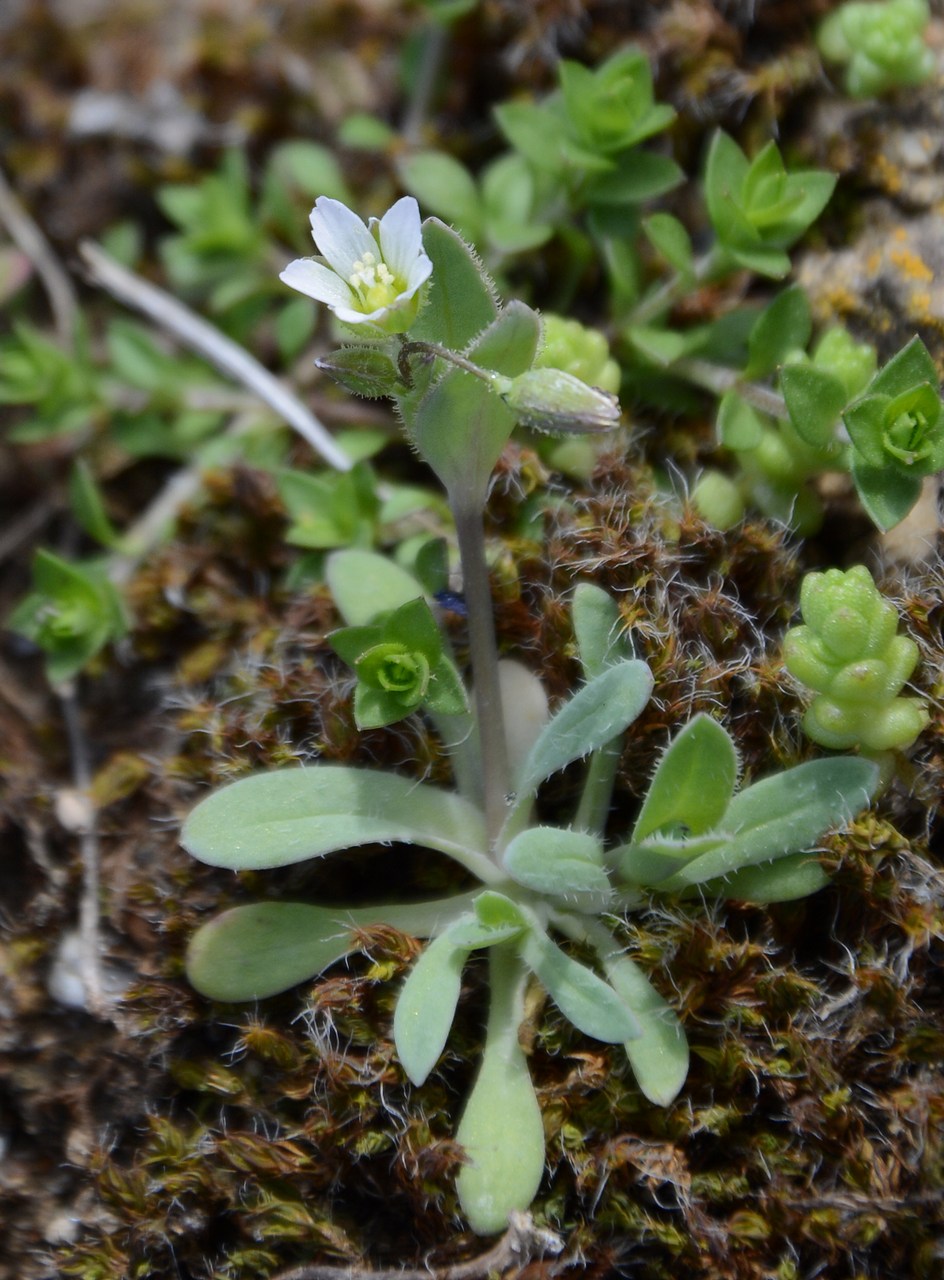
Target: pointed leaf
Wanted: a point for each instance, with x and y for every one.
(595, 714)
(669, 237)
(781, 329)
(257, 950)
(815, 399)
(693, 783)
(910, 367)
(88, 505)
(278, 818)
(887, 493)
(426, 1007)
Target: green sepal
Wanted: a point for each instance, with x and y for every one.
(815, 401)
(693, 782)
(887, 493)
(364, 371)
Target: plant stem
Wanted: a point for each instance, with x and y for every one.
(408, 349)
(483, 655)
(666, 296)
(717, 378)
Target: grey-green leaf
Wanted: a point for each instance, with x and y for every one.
(693, 783)
(564, 864)
(257, 950)
(598, 628)
(795, 876)
(784, 814)
(582, 997)
(426, 1006)
(278, 818)
(592, 717)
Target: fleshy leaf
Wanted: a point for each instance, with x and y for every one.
(278, 818)
(738, 424)
(694, 781)
(257, 950)
(426, 1006)
(910, 367)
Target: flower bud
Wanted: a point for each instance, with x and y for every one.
(555, 401)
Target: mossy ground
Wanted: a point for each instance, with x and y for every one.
(178, 1139)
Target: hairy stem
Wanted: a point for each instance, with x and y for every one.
(483, 655)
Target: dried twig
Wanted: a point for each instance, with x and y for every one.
(28, 238)
(204, 338)
(521, 1243)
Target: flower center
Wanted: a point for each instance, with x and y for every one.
(374, 283)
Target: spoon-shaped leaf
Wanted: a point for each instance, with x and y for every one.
(694, 782)
(426, 1006)
(583, 998)
(262, 948)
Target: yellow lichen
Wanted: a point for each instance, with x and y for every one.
(912, 266)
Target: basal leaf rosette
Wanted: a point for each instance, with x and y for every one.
(369, 274)
(848, 651)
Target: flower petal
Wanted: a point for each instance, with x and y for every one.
(401, 242)
(340, 235)
(318, 281)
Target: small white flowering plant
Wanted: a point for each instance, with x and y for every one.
(428, 331)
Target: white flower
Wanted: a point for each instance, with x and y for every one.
(366, 274)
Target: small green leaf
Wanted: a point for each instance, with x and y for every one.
(638, 176)
(911, 366)
(693, 783)
(561, 863)
(739, 426)
(662, 346)
(784, 814)
(669, 237)
(596, 713)
(285, 816)
(88, 505)
(294, 326)
(887, 493)
(865, 422)
(655, 859)
(815, 401)
(496, 910)
(598, 628)
(445, 187)
(257, 950)
(426, 1007)
(364, 583)
(583, 998)
(781, 329)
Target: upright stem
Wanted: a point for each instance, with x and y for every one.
(676, 287)
(483, 654)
